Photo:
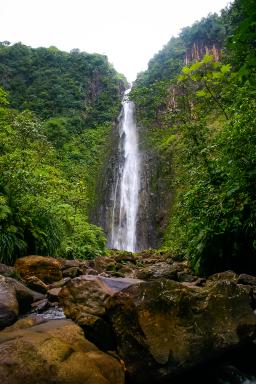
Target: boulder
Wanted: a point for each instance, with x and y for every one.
(103, 263)
(126, 257)
(65, 263)
(6, 270)
(15, 298)
(40, 306)
(36, 284)
(126, 270)
(226, 275)
(59, 284)
(160, 270)
(53, 294)
(73, 268)
(84, 301)
(88, 294)
(53, 352)
(9, 306)
(247, 280)
(72, 272)
(45, 268)
(163, 327)
(91, 271)
(184, 276)
(24, 295)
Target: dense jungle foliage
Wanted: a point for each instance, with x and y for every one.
(56, 115)
(196, 104)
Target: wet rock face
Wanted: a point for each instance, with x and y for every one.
(45, 268)
(53, 352)
(155, 193)
(163, 327)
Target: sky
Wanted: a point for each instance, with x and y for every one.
(129, 32)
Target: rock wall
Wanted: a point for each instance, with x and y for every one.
(155, 194)
(101, 212)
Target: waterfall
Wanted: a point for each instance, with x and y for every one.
(125, 192)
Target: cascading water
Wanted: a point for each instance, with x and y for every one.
(125, 193)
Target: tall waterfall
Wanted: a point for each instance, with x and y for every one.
(125, 192)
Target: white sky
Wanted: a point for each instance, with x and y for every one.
(129, 32)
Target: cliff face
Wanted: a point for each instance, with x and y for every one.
(198, 50)
(100, 212)
(155, 196)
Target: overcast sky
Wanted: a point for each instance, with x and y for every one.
(129, 32)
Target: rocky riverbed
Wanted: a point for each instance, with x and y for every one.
(124, 318)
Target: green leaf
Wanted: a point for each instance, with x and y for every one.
(225, 68)
(217, 75)
(186, 70)
(201, 93)
(207, 59)
(196, 66)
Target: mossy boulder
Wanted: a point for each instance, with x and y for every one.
(45, 268)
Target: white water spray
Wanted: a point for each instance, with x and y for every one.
(125, 194)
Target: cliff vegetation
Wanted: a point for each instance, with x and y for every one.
(196, 104)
